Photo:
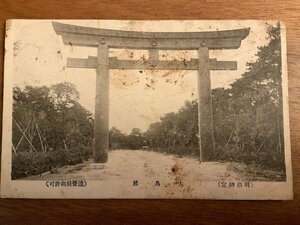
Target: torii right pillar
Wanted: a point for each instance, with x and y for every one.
(205, 112)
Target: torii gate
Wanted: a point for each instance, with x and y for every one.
(103, 39)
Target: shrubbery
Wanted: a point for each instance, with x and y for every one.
(33, 163)
(263, 159)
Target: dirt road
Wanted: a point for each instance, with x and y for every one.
(150, 166)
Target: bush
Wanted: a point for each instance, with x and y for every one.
(33, 163)
(233, 153)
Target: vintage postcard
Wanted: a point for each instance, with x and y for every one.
(146, 109)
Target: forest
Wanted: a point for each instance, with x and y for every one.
(52, 129)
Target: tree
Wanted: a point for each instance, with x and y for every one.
(50, 115)
(31, 106)
(136, 132)
(117, 139)
(135, 139)
(252, 108)
(176, 132)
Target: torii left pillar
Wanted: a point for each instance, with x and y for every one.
(205, 112)
(101, 127)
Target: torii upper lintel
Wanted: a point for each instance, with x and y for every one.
(91, 37)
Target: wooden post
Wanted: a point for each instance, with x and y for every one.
(101, 129)
(205, 113)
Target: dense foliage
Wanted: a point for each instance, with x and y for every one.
(248, 117)
(50, 129)
(50, 118)
(34, 163)
(118, 140)
(177, 132)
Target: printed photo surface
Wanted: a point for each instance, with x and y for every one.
(192, 109)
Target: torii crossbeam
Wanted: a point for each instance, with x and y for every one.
(103, 39)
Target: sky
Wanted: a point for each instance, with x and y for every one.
(40, 59)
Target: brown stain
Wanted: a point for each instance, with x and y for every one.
(59, 53)
(169, 73)
(175, 169)
(143, 57)
(179, 174)
(121, 80)
(188, 191)
(178, 183)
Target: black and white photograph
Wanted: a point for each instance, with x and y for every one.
(192, 109)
